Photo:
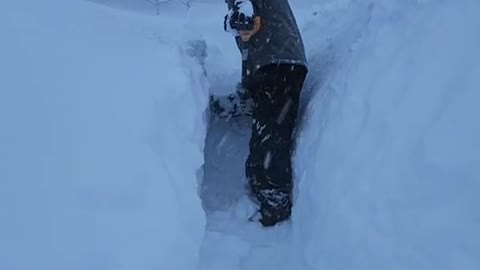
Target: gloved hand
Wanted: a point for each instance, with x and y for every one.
(239, 103)
(240, 17)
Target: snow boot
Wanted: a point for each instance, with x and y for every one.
(275, 205)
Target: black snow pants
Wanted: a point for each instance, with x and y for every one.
(275, 91)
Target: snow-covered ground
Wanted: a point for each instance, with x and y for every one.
(102, 139)
(102, 132)
(388, 157)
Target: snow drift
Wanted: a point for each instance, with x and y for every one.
(102, 134)
(387, 160)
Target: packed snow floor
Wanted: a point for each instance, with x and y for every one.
(108, 160)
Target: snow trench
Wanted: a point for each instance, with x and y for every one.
(385, 174)
(109, 161)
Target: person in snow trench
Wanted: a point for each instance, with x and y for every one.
(274, 68)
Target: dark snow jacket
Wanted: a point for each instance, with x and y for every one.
(277, 42)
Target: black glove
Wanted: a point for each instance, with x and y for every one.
(240, 17)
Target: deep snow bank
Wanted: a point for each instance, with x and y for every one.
(387, 162)
(101, 137)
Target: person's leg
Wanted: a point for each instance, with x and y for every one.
(268, 167)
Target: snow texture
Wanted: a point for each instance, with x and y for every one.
(245, 7)
(387, 161)
(106, 160)
(102, 133)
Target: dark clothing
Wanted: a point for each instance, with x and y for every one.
(269, 168)
(274, 70)
(273, 102)
(277, 42)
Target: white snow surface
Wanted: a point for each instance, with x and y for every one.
(103, 137)
(102, 132)
(387, 159)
